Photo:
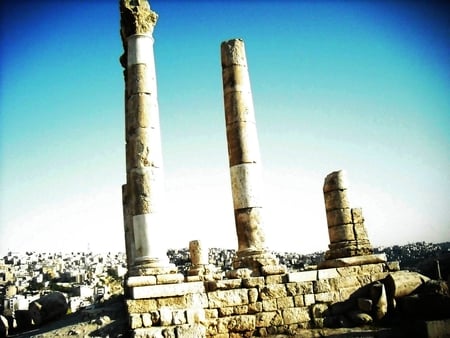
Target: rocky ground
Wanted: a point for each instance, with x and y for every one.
(107, 319)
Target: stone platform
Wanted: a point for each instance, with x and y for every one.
(250, 306)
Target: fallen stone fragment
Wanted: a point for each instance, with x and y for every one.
(359, 317)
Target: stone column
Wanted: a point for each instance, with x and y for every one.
(244, 158)
(346, 230)
(144, 192)
(200, 268)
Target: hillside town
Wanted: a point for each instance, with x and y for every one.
(86, 279)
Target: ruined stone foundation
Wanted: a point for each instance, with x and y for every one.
(252, 306)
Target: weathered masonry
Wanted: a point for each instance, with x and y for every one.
(258, 297)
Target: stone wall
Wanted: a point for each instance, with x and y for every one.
(248, 306)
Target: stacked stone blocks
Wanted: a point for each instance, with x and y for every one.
(250, 306)
(346, 230)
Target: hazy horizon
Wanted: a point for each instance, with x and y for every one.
(353, 85)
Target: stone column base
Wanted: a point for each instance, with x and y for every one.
(203, 272)
(348, 249)
(259, 263)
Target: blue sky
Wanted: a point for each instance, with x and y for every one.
(359, 86)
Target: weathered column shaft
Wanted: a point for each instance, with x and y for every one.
(144, 192)
(243, 147)
(348, 236)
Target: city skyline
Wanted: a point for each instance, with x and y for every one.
(354, 85)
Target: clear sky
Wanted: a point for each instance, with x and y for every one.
(361, 86)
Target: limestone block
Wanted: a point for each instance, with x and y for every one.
(167, 290)
(165, 314)
(372, 268)
(364, 279)
(299, 301)
(140, 79)
(178, 317)
(177, 302)
(309, 299)
(346, 293)
(240, 309)
(141, 305)
(327, 297)
(336, 199)
(190, 331)
(302, 276)
(140, 280)
(253, 295)
(327, 273)
(285, 302)
(222, 298)
(246, 185)
(154, 332)
(253, 282)
(275, 279)
(296, 315)
(345, 282)
(266, 319)
(196, 278)
(255, 307)
(269, 304)
(299, 288)
(349, 270)
(243, 146)
(339, 217)
(211, 313)
(198, 300)
(336, 180)
(239, 273)
(225, 284)
(169, 278)
(321, 286)
(135, 320)
(242, 323)
(226, 311)
(393, 266)
(273, 270)
(146, 320)
(273, 291)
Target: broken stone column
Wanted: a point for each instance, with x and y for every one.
(346, 230)
(244, 159)
(143, 195)
(200, 268)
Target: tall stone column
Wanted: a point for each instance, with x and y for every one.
(244, 159)
(143, 195)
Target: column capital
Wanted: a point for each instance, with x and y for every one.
(136, 17)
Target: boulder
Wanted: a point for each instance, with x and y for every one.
(48, 307)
